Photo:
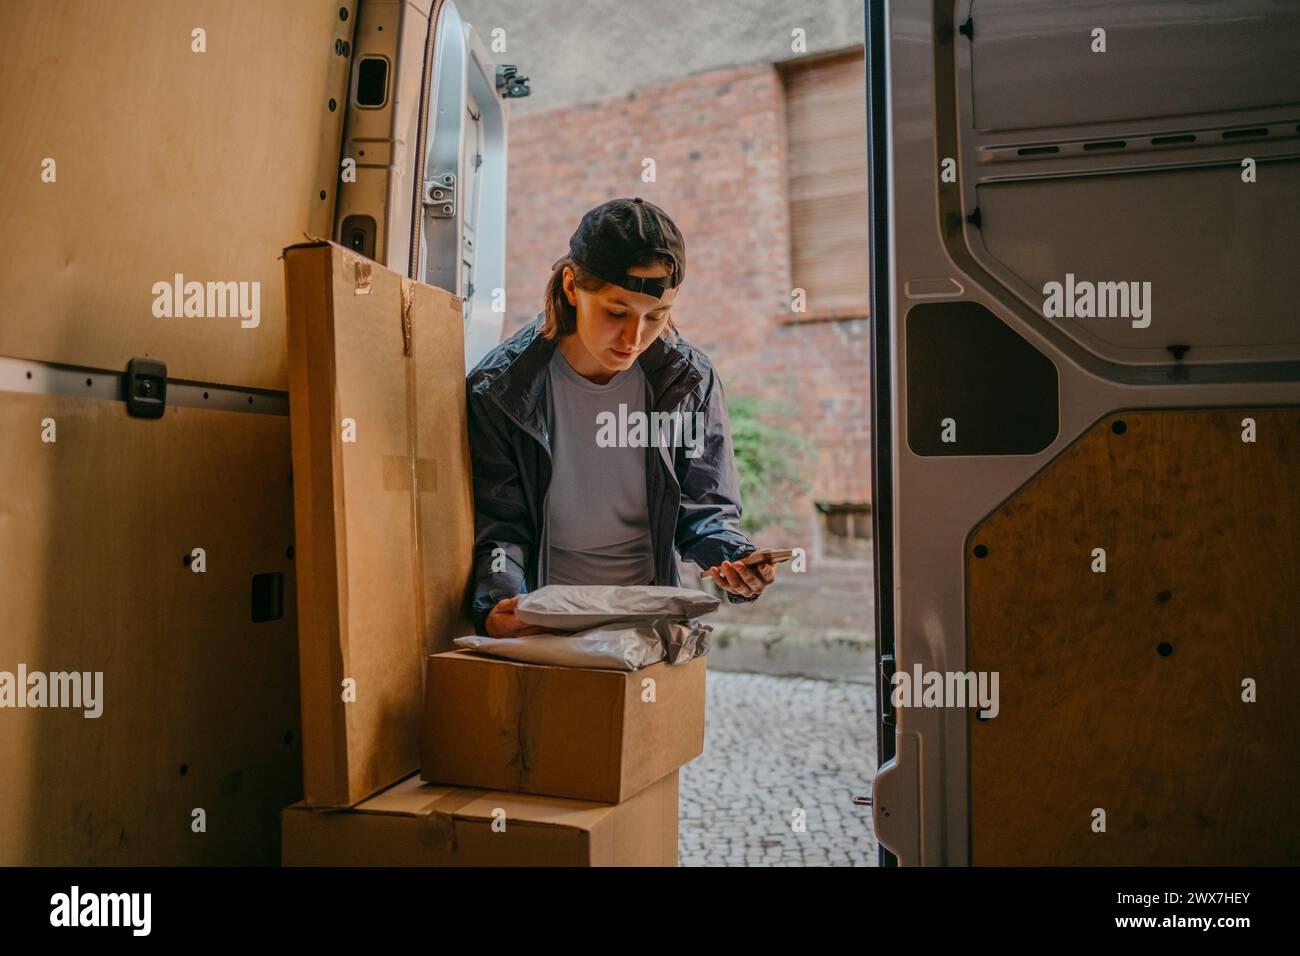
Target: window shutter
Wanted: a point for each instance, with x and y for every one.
(826, 129)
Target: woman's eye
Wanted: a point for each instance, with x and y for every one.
(648, 318)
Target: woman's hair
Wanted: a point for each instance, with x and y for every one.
(562, 317)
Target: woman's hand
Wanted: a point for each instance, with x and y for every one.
(502, 622)
(747, 581)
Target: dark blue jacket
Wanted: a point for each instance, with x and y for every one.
(694, 502)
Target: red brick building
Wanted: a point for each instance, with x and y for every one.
(763, 168)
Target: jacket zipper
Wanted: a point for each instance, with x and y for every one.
(665, 574)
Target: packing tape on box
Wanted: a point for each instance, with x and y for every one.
(530, 691)
(397, 474)
(413, 467)
(436, 820)
(361, 277)
(408, 298)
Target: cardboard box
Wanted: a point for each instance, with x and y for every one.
(415, 824)
(571, 732)
(383, 509)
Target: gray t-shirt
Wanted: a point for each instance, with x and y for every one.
(598, 520)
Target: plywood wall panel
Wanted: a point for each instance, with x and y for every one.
(168, 161)
(200, 704)
(1123, 690)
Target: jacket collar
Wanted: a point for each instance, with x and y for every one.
(520, 385)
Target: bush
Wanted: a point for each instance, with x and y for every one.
(771, 462)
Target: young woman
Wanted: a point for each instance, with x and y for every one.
(599, 438)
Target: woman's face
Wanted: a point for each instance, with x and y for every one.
(615, 325)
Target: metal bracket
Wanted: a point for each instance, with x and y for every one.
(440, 195)
(145, 385)
(886, 689)
(509, 83)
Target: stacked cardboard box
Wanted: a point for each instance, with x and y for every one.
(415, 824)
(564, 731)
(528, 764)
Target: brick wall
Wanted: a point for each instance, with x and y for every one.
(718, 141)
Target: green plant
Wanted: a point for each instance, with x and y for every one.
(770, 460)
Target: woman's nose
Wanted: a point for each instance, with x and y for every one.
(631, 335)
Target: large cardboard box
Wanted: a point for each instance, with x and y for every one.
(383, 509)
(415, 824)
(571, 732)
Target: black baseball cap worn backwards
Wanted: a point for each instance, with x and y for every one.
(619, 234)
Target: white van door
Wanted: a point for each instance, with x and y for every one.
(426, 129)
(462, 237)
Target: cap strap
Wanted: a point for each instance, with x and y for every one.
(654, 287)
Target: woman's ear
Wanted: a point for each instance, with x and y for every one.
(570, 286)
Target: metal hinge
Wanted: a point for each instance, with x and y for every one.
(967, 29)
(509, 83)
(440, 195)
(886, 688)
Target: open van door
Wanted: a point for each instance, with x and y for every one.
(1086, 383)
(425, 133)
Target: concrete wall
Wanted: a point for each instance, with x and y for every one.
(581, 52)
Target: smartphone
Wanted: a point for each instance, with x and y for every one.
(775, 555)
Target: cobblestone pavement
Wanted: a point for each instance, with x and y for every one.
(774, 744)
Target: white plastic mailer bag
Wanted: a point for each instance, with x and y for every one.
(576, 607)
(626, 646)
(684, 640)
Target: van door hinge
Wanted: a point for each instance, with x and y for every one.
(886, 689)
(145, 385)
(975, 219)
(440, 195)
(967, 29)
(510, 83)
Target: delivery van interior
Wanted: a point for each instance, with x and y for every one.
(309, 562)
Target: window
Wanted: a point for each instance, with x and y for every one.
(826, 131)
(845, 529)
